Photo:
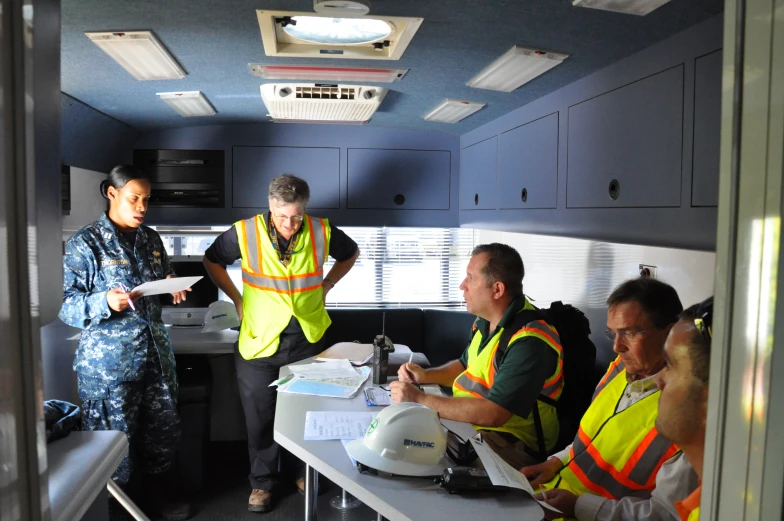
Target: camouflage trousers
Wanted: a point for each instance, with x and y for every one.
(145, 410)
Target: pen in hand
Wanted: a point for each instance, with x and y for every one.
(130, 300)
(408, 370)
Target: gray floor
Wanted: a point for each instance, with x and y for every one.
(225, 495)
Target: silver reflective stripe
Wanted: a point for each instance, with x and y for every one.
(307, 282)
(642, 471)
(262, 282)
(252, 245)
(616, 370)
(470, 385)
(318, 236)
(601, 477)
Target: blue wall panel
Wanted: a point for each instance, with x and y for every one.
(254, 168)
(398, 179)
(342, 138)
(680, 226)
(91, 139)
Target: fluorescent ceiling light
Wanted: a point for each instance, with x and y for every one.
(638, 7)
(337, 31)
(140, 53)
(516, 67)
(453, 110)
(188, 104)
(333, 74)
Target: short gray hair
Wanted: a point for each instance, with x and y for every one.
(289, 189)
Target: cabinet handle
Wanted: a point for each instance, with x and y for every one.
(524, 195)
(614, 189)
(399, 199)
(476, 199)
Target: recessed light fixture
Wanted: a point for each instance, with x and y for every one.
(516, 67)
(333, 74)
(188, 104)
(637, 7)
(453, 110)
(140, 53)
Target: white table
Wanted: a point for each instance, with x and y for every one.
(399, 498)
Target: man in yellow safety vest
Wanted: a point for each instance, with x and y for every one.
(497, 387)
(619, 466)
(281, 309)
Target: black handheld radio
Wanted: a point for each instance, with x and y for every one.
(382, 346)
(467, 480)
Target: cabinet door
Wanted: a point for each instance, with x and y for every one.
(398, 179)
(707, 130)
(528, 165)
(254, 168)
(478, 175)
(625, 146)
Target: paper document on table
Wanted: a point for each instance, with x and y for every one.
(501, 473)
(334, 387)
(163, 286)
(330, 369)
(336, 425)
(355, 353)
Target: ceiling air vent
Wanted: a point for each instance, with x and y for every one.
(313, 103)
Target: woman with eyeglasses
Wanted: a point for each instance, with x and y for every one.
(281, 308)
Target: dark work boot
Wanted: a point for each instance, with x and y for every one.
(159, 503)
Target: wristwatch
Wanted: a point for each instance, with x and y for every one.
(327, 279)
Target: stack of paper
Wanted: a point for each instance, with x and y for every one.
(336, 379)
(336, 425)
(357, 354)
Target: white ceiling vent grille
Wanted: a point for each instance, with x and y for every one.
(287, 102)
(312, 35)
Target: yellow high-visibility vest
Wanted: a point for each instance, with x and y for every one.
(479, 375)
(273, 293)
(615, 455)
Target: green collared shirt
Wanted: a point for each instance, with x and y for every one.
(525, 366)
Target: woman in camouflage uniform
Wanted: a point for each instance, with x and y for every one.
(124, 363)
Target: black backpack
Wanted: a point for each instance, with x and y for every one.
(579, 355)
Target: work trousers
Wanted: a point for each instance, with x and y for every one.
(258, 401)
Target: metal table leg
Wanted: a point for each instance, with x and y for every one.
(125, 501)
(345, 501)
(311, 494)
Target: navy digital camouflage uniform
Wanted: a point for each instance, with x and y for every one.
(124, 363)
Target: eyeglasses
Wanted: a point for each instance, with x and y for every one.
(293, 218)
(704, 319)
(625, 336)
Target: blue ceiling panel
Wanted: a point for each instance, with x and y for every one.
(215, 41)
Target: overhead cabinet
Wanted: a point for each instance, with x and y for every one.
(398, 179)
(528, 165)
(254, 167)
(478, 164)
(707, 129)
(625, 146)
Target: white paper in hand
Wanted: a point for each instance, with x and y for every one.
(501, 473)
(161, 287)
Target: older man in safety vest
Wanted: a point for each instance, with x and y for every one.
(611, 470)
(281, 308)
